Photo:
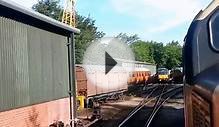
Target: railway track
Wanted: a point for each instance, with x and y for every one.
(158, 93)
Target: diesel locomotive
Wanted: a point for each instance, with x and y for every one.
(201, 68)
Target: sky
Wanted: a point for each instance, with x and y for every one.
(158, 20)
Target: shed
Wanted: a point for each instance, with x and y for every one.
(36, 67)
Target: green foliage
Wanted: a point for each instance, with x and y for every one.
(168, 56)
(88, 33)
(173, 55)
(142, 51)
(158, 53)
(87, 26)
(49, 8)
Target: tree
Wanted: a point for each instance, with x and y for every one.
(173, 55)
(89, 31)
(128, 39)
(49, 8)
(142, 51)
(168, 56)
(158, 53)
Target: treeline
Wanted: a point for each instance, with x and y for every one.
(169, 55)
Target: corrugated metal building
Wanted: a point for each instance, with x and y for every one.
(35, 59)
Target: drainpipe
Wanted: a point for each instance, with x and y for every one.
(72, 86)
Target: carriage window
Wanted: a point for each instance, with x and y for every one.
(214, 31)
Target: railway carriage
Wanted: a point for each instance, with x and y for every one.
(89, 91)
(142, 72)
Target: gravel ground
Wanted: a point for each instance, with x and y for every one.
(166, 117)
(170, 115)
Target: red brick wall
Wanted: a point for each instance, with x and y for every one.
(40, 115)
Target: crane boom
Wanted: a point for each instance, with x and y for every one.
(68, 16)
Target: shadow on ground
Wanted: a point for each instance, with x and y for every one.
(166, 117)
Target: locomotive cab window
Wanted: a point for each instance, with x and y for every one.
(214, 31)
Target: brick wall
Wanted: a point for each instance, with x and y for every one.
(40, 115)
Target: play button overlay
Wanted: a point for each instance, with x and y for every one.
(108, 64)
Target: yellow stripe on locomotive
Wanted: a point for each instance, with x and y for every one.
(163, 77)
(162, 74)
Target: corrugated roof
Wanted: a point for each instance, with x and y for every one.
(12, 5)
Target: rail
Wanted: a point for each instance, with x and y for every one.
(159, 104)
(146, 100)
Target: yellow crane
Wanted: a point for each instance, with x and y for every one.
(68, 16)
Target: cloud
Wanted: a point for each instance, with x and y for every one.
(163, 15)
(25, 3)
